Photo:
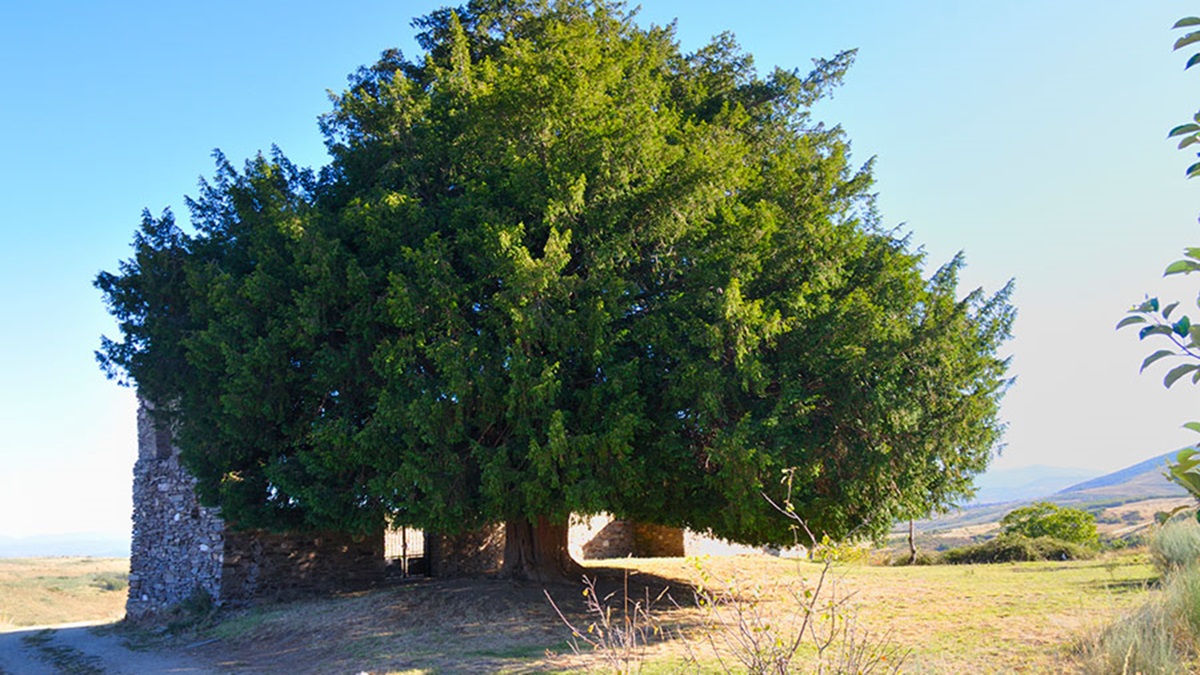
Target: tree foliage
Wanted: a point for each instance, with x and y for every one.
(557, 265)
(1189, 132)
(1153, 319)
(1046, 519)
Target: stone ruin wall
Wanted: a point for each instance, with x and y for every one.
(469, 554)
(267, 565)
(603, 537)
(178, 544)
(180, 547)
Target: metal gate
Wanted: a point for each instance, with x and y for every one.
(404, 551)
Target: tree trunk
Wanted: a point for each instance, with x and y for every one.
(912, 546)
(538, 552)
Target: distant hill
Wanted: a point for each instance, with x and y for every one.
(1138, 482)
(56, 545)
(1027, 482)
(1141, 478)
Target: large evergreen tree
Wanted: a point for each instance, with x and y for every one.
(557, 266)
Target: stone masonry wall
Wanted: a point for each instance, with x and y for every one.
(180, 547)
(177, 544)
(601, 537)
(469, 554)
(657, 541)
(281, 566)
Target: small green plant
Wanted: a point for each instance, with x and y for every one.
(196, 611)
(1183, 600)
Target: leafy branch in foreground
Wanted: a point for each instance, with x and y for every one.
(1188, 133)
(1153, 320)
(1181, 333)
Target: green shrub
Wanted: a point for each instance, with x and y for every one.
(1121, 543)
(1044, 519)
(1176, 545)
(111, 581)
(1017, 548)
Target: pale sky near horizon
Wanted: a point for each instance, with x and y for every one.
(1030, 135)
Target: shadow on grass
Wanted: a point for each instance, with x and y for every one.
(1123, 586)
(441, 625)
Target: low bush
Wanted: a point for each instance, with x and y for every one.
(1176, 545)
(1017, 548)
(923, 558)
(1132, 540)
(111, 581)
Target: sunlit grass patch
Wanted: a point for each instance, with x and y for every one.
(45, 591)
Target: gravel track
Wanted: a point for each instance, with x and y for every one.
(80, 649)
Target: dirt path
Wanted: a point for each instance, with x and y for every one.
(79, 649)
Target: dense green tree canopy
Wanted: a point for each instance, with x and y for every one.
(556, 266)
(1046, 519)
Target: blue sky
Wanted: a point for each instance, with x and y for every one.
(1028, 134)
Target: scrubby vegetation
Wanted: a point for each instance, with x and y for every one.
(1018, 548)
(1040, 531)
(1176, 546)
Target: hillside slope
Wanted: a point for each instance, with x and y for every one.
(1144, 480)
(1140, 482)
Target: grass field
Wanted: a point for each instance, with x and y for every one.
(1004, 618)
(1017, 617)
(44, 591)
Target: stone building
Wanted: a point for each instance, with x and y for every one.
(181, 549)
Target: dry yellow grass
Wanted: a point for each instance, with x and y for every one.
(45, 591)
(1003, 618)
(1017, 617)
(1007, 618)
